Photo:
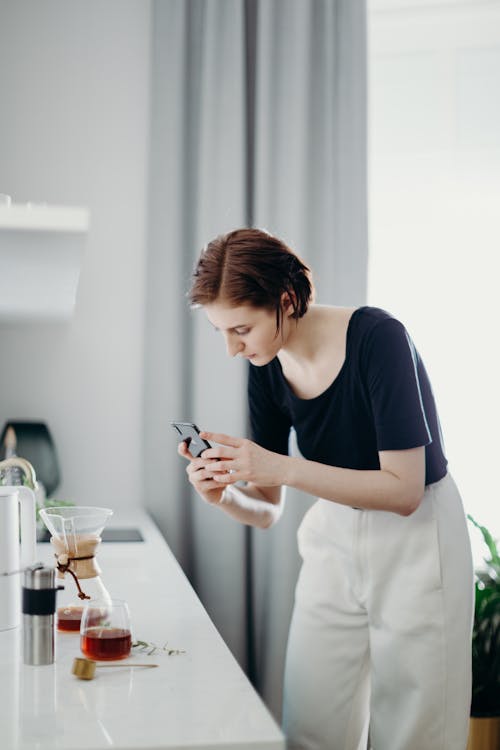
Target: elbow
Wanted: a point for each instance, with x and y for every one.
(271, 517)
(273, 511)
(410, 502)
(269, 521)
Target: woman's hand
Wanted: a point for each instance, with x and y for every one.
(260, 502)
(201, 477)
(242, 460)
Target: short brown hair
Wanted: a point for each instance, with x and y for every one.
(251, 267)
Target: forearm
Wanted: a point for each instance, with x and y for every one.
(249, 506)
(368, 489)
(398, 486)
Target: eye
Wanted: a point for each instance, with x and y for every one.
(242, 331)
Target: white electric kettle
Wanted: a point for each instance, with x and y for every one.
(17, 550)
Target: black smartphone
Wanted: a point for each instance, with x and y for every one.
(191, 435)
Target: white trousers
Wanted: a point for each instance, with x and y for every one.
(381, 629)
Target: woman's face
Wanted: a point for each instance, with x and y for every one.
(250, 332)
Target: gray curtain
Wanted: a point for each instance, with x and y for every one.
(258, 118)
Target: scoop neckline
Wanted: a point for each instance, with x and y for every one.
(337, 376)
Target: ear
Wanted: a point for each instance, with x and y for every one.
(288, 303)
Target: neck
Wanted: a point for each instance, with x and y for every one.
(322, 329)
(304, 337)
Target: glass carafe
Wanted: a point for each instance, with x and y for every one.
(75, 538)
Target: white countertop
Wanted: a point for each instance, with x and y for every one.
(198, 699)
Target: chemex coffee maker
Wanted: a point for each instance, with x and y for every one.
(75, 538)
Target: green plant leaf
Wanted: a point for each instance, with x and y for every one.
(490, 542)
(486, 633)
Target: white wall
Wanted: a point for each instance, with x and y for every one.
(434, 229)
(74, 129)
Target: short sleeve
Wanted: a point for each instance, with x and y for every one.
(391, 373)
(270, 426)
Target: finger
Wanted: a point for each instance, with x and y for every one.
(202, 463)
(200, 474)
(194, 472)
(227, 478)
(223, 467)
(219, 437)
(219, 452)
(207, 485)
(183, 451)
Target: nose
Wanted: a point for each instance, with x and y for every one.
(233, 345)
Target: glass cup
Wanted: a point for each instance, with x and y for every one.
(105, 630)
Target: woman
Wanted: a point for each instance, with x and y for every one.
(381, 627)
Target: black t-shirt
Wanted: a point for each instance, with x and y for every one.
(380, 400)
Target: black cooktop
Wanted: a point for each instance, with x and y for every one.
(111, 534)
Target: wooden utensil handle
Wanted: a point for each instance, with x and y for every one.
(126, 664)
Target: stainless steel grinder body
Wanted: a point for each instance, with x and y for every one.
(39, 606)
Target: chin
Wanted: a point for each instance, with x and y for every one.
(260, 361)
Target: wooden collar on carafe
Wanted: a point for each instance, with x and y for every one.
(77, 558)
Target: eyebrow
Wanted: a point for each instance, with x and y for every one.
(233, 328)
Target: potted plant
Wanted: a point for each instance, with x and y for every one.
(485, 708)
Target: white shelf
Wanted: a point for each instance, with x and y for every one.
(42, 218)
(41, 249)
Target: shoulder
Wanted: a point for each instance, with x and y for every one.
(373, 316)
(375, 322)
(378, 333)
